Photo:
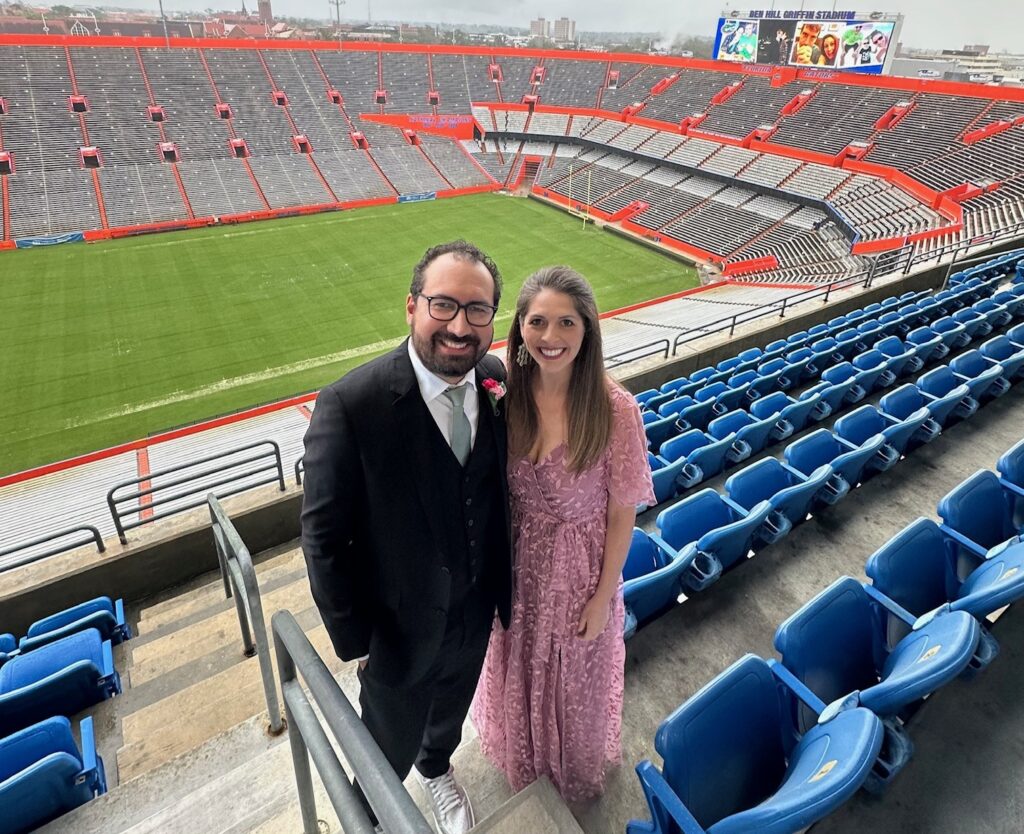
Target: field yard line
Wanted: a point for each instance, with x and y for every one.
(239, 381)
(263, 230)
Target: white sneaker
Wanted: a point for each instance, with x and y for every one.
(452, 811)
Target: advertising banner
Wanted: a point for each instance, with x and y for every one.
(417, 198)
(54, 240)
(837, 40)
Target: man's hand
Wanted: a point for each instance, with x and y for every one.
(594, 617)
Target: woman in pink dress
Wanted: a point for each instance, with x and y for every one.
(549, 700)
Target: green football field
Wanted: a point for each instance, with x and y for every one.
(109, 342)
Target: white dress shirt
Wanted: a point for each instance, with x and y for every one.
(432, 389)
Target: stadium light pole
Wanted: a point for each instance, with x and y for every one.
(163, 20)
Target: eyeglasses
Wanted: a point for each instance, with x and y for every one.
(442, 308)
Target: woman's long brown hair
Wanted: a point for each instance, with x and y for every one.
(590, 408)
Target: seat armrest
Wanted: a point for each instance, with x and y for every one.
(657, 790)
(974, 547)
(890, 605)
(796, 686)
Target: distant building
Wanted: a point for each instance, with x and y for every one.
(565, 29)
(540, 28)
(266, 15)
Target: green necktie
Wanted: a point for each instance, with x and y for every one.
(460, 423)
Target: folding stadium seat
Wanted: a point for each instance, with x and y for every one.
(917, 569)
(745, 380)
(648, 416)
(60, 678)
(735, 764)
(913, 315)
(1011, 464)
(669, 387)
(930, 308)
(949, 300)
(984, 377)
(905, 400)
(775, 349)
(826, 352)
(817, 331)
(862, 424)
(873, 310)
(674, 406)
(1013, 301)
(846, 377)
(660, 430)
(791, 415)
(837, 646)
(800, 365)
(43, 775)
(731, 364)
(772, 377)
(790, 494)
(650, 581)
(665, 475)
(795, 340)
(893, 324)
(953, 334)
(656, 401)
(105, 616)
(849, 343)
(8, 647)
(710, 532)
(830, 398)
(942, 384)
(725, 398)
(849, 463)
(890, 303)
(997, 315)
(696, 416)
(900, 355)
(1016, 334)
(644, 396)
(856, 317)
(975, 324)
(982, 513)
(871, 331)
(705, 455)
(873, 368)
(748, 430)
(707, 375)
(928, 344)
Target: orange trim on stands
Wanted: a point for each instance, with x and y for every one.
(462, 192)
(752, 265)
(7, 244)
(142, 466)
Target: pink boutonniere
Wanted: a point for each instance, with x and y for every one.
(495, 392)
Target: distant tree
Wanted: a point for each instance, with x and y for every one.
(62, 11)
(700, 47)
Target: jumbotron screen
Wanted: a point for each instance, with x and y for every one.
(840, 40)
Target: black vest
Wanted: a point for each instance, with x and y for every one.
(475, 522)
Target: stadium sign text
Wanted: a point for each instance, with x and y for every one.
(790, 14)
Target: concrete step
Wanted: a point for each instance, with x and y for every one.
(537, 807)
(157, 657)
(184, 721)
(211, 587)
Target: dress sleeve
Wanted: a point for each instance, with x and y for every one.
(629, 476)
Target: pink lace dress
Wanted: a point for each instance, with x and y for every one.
(549, 702)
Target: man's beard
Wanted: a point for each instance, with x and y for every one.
(428, 349)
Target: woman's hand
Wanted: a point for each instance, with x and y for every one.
(594, 617)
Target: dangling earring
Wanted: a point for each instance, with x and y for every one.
(523, 356)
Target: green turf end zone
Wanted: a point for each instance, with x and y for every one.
(109, 342)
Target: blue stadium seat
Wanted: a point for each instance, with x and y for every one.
(8, 647)
(929, 307)
(1007, 353)
(918, 569)
(984, 377)
(775, 349)
(795, 340)
(830, 398)
(43, 775)
(648, 416)
(975, 324)
(772, 377)
(1016, 334)
(644, 396)
(871, 331)
(665, 475)
(901, 356)
(705, 456)
(660, 430)
(849, 463)
(674, 406)
(105, 616)
(751, 434)
(650, 581)
(943, 386)
(1013, 300)
(800, 365)
(837, 646)
(733, 763)
(711, 532)
(997, 315)
(721, 395)
(60, 678)
(846, 377)
(894, 323)
(790, 493)
(928, 344)
(1011, 463)
(913, 315)
(982, 512)
(745, 380)
(863, 423)
(873, 370)
(903, 401)
(697, 415)
(950, 300)
(792, 415)
(849, 343)
(816, 331)
(953, 334)
(826, 352)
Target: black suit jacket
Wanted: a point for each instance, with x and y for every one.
(371, 535)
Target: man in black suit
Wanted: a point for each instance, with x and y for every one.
(405, 523)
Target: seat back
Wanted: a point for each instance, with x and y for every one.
(838, 374)
(902, 402)
(683, 444)
(770, 404)
(710, 392)
(815, 449)
(771, 366)
(742, 378)
(725, 425)
(860, 424)
(688, 520)
(724, 749)
(832, 644)
(1011, 464)
(758, 482)
(938, 382)
(916, 568)
(643, 556)
(978, 509)
(868, 360)
(674, 406)
(971, 364)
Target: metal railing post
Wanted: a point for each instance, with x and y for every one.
(300, 755)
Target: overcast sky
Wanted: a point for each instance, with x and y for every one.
(929, 23)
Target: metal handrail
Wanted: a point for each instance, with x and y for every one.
(272, 456)
(94, 538)
(300, 467)
(239, 578)
(378, 781)
(637, 352)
